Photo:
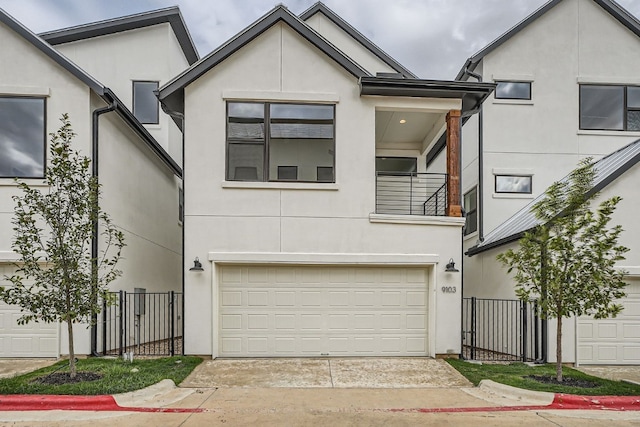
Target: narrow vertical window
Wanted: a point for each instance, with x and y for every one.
(471, 209)
(180, 205)
(145, 102)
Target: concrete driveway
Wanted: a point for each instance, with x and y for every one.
(613, 372)
(326, 373)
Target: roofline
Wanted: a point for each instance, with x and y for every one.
(170, 15)
(320, 7)
(472, 62)
(277, 14)
(613, 8)
(474, 250)
(472, 94)
(142, 132)
(52, 53)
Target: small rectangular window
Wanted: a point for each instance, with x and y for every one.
(513, 90)
(180, 205)
(513, 184)
(22, 137)
(396, 164)
(145, 102)
(471, 211)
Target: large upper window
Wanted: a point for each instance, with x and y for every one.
(145, 102)
(471, 211)
(609, 107)
(513, 90)
(22, 137)
(513, 184)
(280, 142)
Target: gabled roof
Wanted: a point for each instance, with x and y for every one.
(613, 8)
(608, 169)
(171, 93)
(170, 15)
(320, 7)
(105, 93)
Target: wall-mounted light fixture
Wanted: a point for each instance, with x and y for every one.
(197, 265)
(451, 267)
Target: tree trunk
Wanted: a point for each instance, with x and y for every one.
(559, 350)
(72, 356)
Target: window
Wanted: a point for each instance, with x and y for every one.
(520, 184)
(180, 205)
(145, 103)
(22, 137)
(513, 90)
(609, 107)
(280, 142)
(470, 207)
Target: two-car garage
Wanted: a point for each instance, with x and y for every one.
(288, 311)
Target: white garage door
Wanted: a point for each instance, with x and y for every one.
(613, 341)
(322, 311)
(30, 340)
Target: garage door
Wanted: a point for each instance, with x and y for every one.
(31, 340)
(322, 311)
(613, 341)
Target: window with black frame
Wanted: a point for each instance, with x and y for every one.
(513, 184)
(145, 102)
(280, 142)
(471, 211)
(22, 137)
(609, 107)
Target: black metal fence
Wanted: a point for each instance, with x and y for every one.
(411, 193)
(142, 323)
(501, 330)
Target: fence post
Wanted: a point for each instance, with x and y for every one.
(473, 328)
(172, 325)
(121, 313)
(104, 327)
(524, 330)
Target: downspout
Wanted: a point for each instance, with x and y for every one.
(94, 239)
(180, 117)
(478, 77)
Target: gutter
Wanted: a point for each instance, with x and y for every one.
(480, 190)
(94, 238)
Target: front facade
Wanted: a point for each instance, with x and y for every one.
(566, 89)
(140, 179)
(306, 198)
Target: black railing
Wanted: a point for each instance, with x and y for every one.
(501, 330)
(142, 323)
(411, 193)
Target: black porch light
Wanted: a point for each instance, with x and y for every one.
(197, 265)
(451, 267)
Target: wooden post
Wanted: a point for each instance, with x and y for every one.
(453, 163)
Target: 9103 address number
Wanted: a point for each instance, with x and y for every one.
(449, 289)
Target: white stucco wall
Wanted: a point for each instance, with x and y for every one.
(575, 42)
(301, 223)
(116, 60)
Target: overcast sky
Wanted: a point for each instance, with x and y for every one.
(432, 38)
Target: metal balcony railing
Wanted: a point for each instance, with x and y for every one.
(411, 193)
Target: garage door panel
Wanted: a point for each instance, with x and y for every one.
(367, 313)
(615, 340)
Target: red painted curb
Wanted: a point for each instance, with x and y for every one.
(616, 403)
(46, 402)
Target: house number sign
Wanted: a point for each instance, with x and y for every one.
(449, 289)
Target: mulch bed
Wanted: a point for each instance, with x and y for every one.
(58, 378)
(566, 381)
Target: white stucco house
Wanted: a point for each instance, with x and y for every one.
(567, 88)
(310, 225)
(135, 147)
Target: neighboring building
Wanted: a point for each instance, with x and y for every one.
(306, 198)
(138, 167)
(567, 88)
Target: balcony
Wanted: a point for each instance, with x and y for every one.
(411, 193)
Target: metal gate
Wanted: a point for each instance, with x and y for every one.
(502, 330)
(142, 323)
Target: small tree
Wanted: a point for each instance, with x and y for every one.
(57, 280)
(567, 262)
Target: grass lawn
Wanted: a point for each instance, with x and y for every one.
(118, 376)
(516, 374)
